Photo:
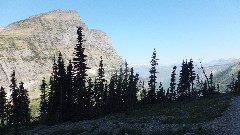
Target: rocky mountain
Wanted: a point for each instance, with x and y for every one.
(28, 46)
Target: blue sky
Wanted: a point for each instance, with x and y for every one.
(178, 29)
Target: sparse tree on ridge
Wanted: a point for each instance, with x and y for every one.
(192, 76)
(171, 92)
(184, 85)
(151, 96)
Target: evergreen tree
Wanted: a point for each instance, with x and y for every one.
(161, 97)
(126, 92)
(171, 94)
(3, 107)
(192, 76)
(99, 88)
(60, 92)
(43, 102)
(53, 102)
(119, 90)
(88, 99)
(80, 69)
(69, 101)
(114, 98)
(131, 96)
(15, 102)
(184, 86)
(152, 82)
(105, 99)
(199, 85)
(24, 104)
(212, 88)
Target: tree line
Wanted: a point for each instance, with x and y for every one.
(71, 95)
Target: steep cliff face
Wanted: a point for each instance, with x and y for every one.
(28, 46)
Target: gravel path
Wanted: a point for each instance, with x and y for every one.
(229, 123)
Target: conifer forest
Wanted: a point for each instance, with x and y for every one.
(71, 95)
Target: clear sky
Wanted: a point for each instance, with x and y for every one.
(178, 29)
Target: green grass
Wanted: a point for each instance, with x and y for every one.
(179, 112)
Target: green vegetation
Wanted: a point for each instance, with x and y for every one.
(179, 112)
(34, 106)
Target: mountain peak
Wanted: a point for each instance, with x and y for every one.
(30, 44)
(59, 14)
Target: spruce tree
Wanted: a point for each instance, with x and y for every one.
(24, 104)
(152, 82)
(161, 97)
(15, 112)
(60, 92)
(80, 69)
(132, 89)
(69, 101)
(43, 102)
(192, 76)
(114, 96)
(184, 85)
(171, 94)
(119, 90)
(3, 107)
(53, 102)
(99, 88)
(126, 88)
(199, 85)
(89, 102)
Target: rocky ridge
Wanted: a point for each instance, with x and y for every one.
(29, 45)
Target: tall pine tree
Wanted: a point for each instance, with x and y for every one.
(15, 108)
(53, 102)
(172, 91)
(152, 82)
(99, 88)
(24, 104)
(79, 73)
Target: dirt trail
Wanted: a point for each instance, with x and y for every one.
(229, 123)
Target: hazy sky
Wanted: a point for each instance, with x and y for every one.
(178, 29)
